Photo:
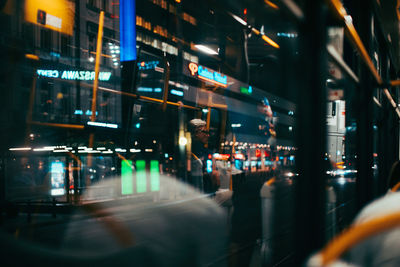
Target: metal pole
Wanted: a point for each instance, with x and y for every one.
(365, 179)
(97, 66)
(166, 82)
(311, 135)
(95, 85)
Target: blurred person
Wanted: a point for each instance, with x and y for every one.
(182, 229)
(381, 249)
(199, 177)
(268, 127)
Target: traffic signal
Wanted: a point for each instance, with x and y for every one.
(41, 17)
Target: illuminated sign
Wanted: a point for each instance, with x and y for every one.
(176, 92)
(149, 89)
(126, 177)
(102, 124)
(148, 65)
(209, 165)
(208, 75)
(246, 91)
(74, 75)
(57, 15)
(57, 178)
(218, 156)
(239, 156)
(80, 112)
(127, 29)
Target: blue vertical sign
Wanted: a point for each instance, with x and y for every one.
(127, 28)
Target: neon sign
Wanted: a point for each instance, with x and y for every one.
(74, 75)
(208, 75)
(148, 65)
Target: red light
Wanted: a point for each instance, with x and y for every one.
(142, 64)
(209, 156)
(245, 11)
(258, 153)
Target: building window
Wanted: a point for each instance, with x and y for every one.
(56, 41)
(106, 6)
(93, 3)
(65, 46)
(92, 42)
(45, 39)
(29, 34)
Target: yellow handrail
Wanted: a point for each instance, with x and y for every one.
(355, 39)
(339, 10)
(395, 83)
(97, 65)
(146, 98)
(357, 233)
(395, 187)
(58, 125)
(271, 181)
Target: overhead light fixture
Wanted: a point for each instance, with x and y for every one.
(257, 32)
(269, 41)
(239, 19)
(269, 3)
(206, 49)
(19, 148)
(102, 124)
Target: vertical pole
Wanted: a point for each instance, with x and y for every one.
(311, 134)
(95, 85)
(365, 179)
(128, 56)
(78, 55)
(97, 66)
(166, 83)
(385, 125)
(67, 174)
(30, 108)
(223, 129)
